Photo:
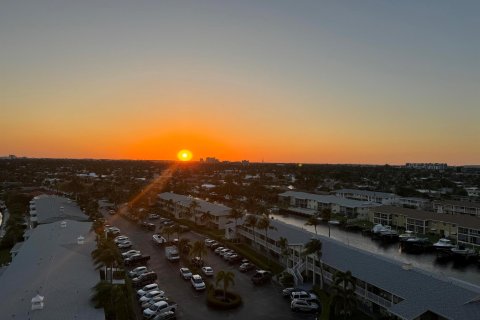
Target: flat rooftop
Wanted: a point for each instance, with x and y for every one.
(215, 209)
(55, 208)
(52, 264)
(344, 202)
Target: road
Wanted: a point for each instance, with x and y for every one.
(259, 302)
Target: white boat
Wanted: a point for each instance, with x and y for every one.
(407, 235)
(463, 251)
(334, 222)
(443, 244)
(378, 228)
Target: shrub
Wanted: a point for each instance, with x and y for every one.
(215, 299)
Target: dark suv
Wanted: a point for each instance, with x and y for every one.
(261, 276)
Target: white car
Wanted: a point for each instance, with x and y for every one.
(125, 244)
(159, 307)
(137, 271)
(153, 216)
(158, 239)
(209, 242)
(147, 288)
(294, 295)
(150, 295)
(120, 239)
(130, 253)
(147, 304)
(303, 305)
(208, 271)
(225, 251)
(197, 282)
(217, 251)
(185, 273)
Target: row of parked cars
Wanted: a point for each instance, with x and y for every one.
(152, 300)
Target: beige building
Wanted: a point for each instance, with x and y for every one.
(465, 229)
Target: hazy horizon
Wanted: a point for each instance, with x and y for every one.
(366, 82)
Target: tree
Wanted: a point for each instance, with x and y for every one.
(113, 298)
(327, 216)
(313, 221)
(168, 232)
(251, 222)
(199, 249)
(106, 254)
(226, 277)
(235, 214)
(192, 208)
(344, 294)
(184, 246)
(314, 246)
(206, 218)
(283, 245)
(264, 224)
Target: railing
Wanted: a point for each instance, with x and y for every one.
(379, 300)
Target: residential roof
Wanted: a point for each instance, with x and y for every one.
(51, 263)
(459, 203)
(367, 193)
(420, 290)
(55, 208)
(215, 209)
(463, 220)
(344, 202)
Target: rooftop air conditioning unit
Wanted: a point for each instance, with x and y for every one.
(80, 240)
(63, 224)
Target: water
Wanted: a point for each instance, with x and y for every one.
(469, 272)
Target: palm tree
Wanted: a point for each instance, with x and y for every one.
(251, 222)
(206, 218)
(314, 246)
(192, 208)
(106, 254)
(113, 299)
(184, 246)
(170, 205)
(227, 278)
(313, 221)
(344, 294)
(199, 249)
(168, 232)
(264, 224)
(235, 214)
(327, 216)
(283, 245)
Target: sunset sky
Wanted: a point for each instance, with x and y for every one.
(279, 81)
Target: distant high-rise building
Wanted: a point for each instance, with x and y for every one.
(211, 160)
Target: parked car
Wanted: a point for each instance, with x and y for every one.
(119, 239)
(234, 258)
(158, 239)
(218, 249)
(223, 252)
(159, 307)
(130, 253)
(208, 271)
(286, 292)
(125, 244)
(228, 255)
(150, 295)
(185, 273)
(295, 295)
(137, 271)
(153, 216)
(169, 315)
(147, 288)
(197, 282)
(136, 259)
(143, 279)
(151, 302)
(147, 226)
(215, 245)
(261, 276)
(244, 267)
(303, 305)
(209, 242)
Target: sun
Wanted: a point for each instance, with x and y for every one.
(184, 155)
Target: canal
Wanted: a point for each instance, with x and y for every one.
(469, 272)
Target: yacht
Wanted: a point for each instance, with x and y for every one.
(463, 252)
(443, 244)
(416, 245)
(406, 236)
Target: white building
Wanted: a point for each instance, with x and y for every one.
(365, 195)
(310, 204)
(383, 286)
(457, 207)
(178, 205)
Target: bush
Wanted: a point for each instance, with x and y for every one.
(215, 299)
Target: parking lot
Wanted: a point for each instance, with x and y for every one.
(259, 302)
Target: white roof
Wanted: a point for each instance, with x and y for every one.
(54, 208)
(330, 199)
(215, 209)
(51, 264)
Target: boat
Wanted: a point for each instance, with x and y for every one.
(407, 235)
(334, 222)
(443, 244)
(379, 228)
(416, 245)
(461, 251)
(388, 235)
